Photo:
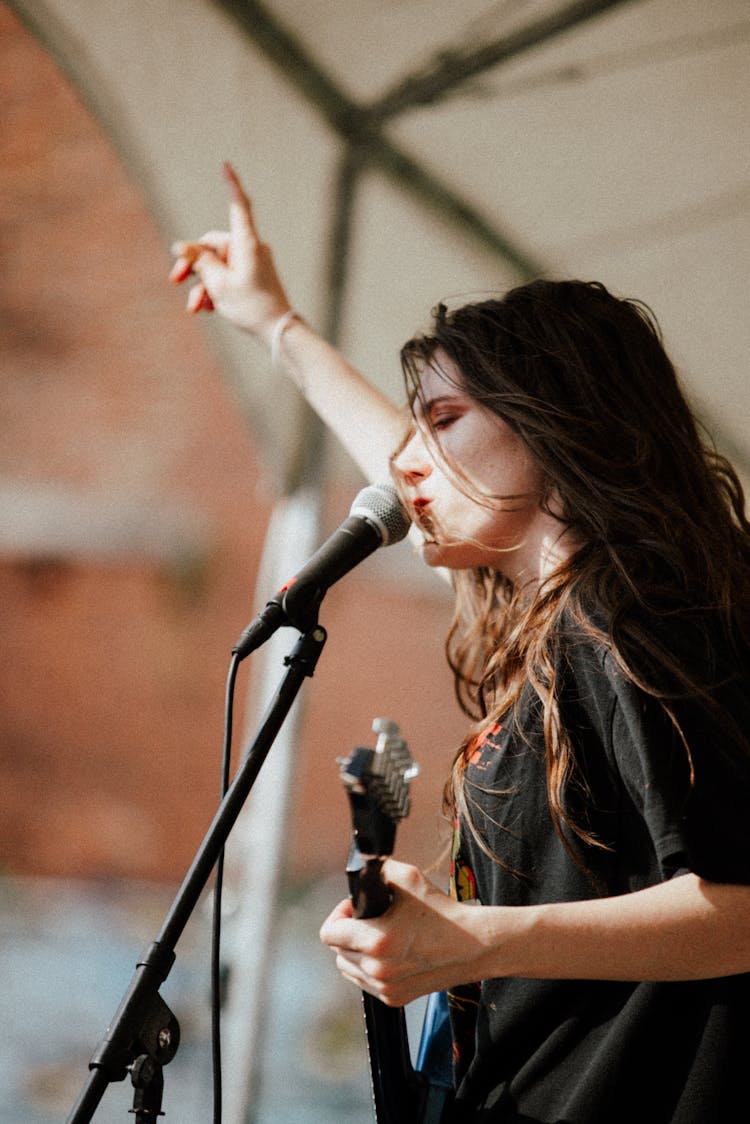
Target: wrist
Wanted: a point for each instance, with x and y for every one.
(505, 939)
(276, 334)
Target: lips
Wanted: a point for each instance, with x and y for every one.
(421, 517)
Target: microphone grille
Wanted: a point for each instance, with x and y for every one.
(380, 504)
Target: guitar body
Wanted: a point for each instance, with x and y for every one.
(377, 782)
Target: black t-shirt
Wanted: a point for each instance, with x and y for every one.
(593, 1052)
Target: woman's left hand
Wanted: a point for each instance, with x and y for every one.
(420, 944)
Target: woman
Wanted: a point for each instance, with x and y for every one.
(601, 560)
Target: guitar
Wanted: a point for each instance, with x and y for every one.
(377, 782)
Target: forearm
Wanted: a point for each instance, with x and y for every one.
(365, 421)
(678, 930)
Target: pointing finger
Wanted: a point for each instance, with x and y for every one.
(240, 208)
(244, 236)
(237, 193)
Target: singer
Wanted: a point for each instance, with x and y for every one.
(595, 944)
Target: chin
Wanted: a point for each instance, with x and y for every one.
(433, 554)
(450, 557)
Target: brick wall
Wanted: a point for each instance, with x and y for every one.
(133, 513)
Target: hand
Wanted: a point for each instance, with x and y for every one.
(235, 271)
(422, 943)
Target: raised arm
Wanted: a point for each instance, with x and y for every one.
(234, 274)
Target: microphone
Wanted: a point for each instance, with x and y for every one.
(376, 518)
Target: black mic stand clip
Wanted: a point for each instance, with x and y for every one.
(143, 1036)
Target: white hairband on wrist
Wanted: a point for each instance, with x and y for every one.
(279, 328)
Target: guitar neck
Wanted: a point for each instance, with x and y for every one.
(397, 1090)
(378, 793)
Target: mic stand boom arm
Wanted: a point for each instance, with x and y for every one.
(143, 1036)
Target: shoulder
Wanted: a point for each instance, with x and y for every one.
(639, 675)
(649, 677)
(661, 647)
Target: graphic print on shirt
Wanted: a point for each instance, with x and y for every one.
(463, 1000)
(480, 752)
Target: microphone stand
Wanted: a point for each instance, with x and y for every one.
(144, 1035)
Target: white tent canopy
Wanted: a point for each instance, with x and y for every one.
(402, 153)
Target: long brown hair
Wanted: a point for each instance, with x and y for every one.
(583, 378)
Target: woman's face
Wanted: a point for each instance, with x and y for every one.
(473, 486)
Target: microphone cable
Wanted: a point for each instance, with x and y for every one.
(216, 968)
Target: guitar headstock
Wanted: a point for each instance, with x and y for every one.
(377, 781)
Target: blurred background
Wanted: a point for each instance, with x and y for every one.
(157, 479)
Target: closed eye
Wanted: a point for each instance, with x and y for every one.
(444, 416)
(444, 421)
(442, 411)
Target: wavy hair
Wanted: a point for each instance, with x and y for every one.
(583, 378)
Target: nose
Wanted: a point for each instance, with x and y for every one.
(413, 462)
